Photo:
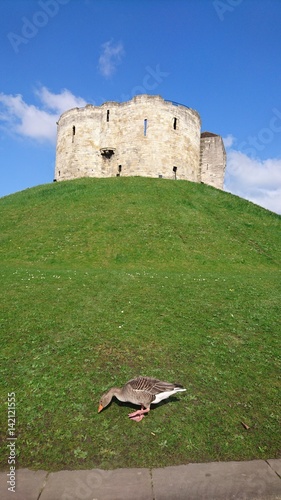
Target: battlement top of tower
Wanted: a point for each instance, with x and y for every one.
(140, 98)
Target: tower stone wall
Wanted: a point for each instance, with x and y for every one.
(147, 136)
(212, 159)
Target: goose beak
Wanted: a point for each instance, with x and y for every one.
(100, 408)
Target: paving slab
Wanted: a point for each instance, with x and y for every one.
(253, 480)
(29, 484)
(275, 464)
(119, 484)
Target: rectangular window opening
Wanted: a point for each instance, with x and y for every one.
(73, 133)
(107, 115)
(145, 126)
(175, 123)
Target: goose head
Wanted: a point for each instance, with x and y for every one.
(105, 399)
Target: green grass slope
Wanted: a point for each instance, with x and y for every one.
(106, 279)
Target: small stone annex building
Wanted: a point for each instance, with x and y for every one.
(146, 136)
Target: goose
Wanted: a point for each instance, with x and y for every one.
(142, 391)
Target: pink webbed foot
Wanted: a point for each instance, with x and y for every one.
(138, 415)
(135, 413)
(137, 418)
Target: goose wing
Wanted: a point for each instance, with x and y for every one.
(152, 385)
(149, 387)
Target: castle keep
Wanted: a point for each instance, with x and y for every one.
(147, 136)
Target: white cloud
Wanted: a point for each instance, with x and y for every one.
(60, 102)
(110, 57)
(36, 122)
(256, 180)
(228, 140)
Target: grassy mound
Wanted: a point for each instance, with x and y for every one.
(107, 279)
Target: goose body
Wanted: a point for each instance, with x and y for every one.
(142, 391)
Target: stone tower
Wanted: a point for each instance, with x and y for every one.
(147, 136)
(212, 159)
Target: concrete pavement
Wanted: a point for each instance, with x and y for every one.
(253, 480)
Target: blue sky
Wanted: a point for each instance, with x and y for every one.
(219, 57)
